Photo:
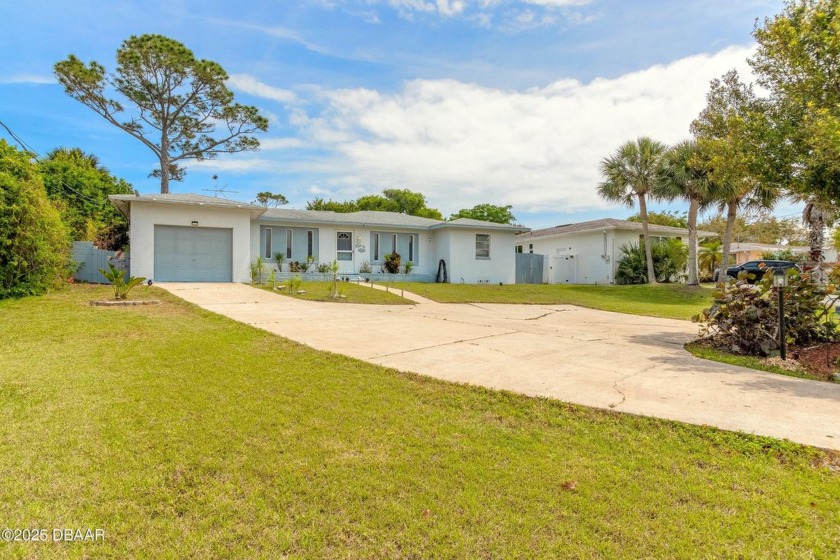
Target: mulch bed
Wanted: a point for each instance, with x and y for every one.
(822, 360)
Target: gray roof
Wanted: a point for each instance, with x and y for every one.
(123, 201)
(363, 218)
(478, 224)
(608, 223)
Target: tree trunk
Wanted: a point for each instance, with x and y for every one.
(651, 273)
(816, 239)
(164, 165)
(693, 206)
(731, 212)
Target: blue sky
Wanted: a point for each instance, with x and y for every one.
(507, 102)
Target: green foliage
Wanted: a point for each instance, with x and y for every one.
(294, 284)
(402, 201)
(79, 186)
(796, 60)
(669, 260)
(760, 229)
(116, 276)
(267, 198)
(280, 258)
(333, 272)
(629, 175)
(332, 206)
(34, 242)
(113, 237)
(835, 239)
(408, 267)
(744, 318)
(257, 270)
(487, 213)
(709, 255)
(670, 218)
(782, 255)
(178, 102)
(392, 263)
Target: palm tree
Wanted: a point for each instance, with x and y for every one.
(629, 175)
(750, 194)
(709, 255)
(684, 175)
(817, 215)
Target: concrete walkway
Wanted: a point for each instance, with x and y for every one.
(595, 358)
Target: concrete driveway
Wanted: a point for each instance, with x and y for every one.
(595, 358)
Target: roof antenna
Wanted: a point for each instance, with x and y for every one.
(219, 190)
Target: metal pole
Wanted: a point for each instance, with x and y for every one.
(782, 353)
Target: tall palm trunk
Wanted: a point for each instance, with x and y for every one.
(693, 206)
(731, 213)
(643, 215)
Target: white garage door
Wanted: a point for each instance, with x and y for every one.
(193, 254)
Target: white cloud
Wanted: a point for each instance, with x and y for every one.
(234, 165)
(27, 79)
(280, 143)
(557, 3)
(462, 144)
(249, 84)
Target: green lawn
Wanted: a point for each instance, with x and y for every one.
(673, 301)
(185, 434)
(352, 292)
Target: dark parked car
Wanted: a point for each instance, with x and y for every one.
(759, 268)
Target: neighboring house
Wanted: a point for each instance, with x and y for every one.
(587, 252)
(188, 237)
(745, 252)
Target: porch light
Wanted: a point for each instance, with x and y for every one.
(780, 279)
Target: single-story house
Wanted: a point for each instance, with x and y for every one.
(588, 252)
(196, 238)
(745, 252)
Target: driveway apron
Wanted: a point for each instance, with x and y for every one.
(607, 360)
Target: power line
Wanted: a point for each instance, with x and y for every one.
(26, 147)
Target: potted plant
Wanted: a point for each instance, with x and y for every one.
(392, 263)
(279, 257)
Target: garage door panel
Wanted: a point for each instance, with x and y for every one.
(188, 254)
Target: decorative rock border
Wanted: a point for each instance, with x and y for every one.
(125, 302)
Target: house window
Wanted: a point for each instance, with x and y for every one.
(344, 246)
(268, 243)
(531, 248)
(288, 244)
(411, 248)
(482, 246)
(375, 247)
(519, 249)
(310, 244)
(394, 246)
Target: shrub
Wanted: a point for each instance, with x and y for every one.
(113, 237)
(392, 263)
(34, 242)
(294, 284)
(744, 318)
(669, 260)
(116, 276)
(365, 268)
(408, 266)
(257, 270)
